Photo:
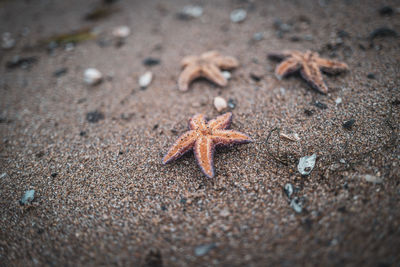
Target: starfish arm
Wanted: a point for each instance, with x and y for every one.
(190, 73)
(226, 63)
(213, 73)
(228, 137)
(187, 60)
(286, 67)
(331, 66)
(197, 122)
(203, 151)
(311, 73)
(184, 143)
(209, 55)
(221, 122)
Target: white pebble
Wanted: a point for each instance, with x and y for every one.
(338, 100)
(145, 79)
(220, 103)
(373, 179)
(121, 31)
(238, 15)
(7, 41)
(227, 75)
(92, 76)
(193, 11)
(3, 175)
(306, 164)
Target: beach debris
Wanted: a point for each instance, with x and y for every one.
(202, 250)
(145, 79)
(192, 11)
(349, 124)
(296, 205)
(28, 197)
(227, 75)
(372, 179)
(231, 103)
(7, 42)
(382, 32)
(258, 36)
(288, 188)
(151, 61)
(208, 65)
(60, 72)
(220, 103)
(92, 76)
(309, 64)
(74, 37)
(338, 101)
(21, 62)
(306, 164)
(121, 32)
(294, 137)
(238, 15)
(94, 116)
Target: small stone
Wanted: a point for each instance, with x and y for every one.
(69, 47)
(227, 75)
(150, 61)
(296, 205)
(224, 213)
(3, 175)
(343, 161)
(288, 190)
(373, 179)
(309, 112)
(192, 11)
(121, 32)
(220, 103)
(320, 105)
(60, 72)
(306, 164)
(255, 76)
(21, 62)
(231, 103)
(386, 11)
(338, 101)
(203, 249)
(258, 36)
(7, 41)
(308, 37)
(145, 79)
(383, 32)
(349, 124)
(238, 15)
(54, 174)
(94, 116)
(28, 197)
(92, 76)
(371, 76)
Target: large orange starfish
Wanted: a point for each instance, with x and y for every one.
(203, 137)
(207, 65)
(310, 65)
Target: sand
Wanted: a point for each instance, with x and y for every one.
(102, 195)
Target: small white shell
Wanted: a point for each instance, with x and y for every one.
(193, 11)
(220, 103)
(145, 79)
(226, 74)
(92, 76)
(306, 164)
(238, 15)
(121, 31)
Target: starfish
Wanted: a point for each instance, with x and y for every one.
(207, 65)
(310, 65)
(203, 137)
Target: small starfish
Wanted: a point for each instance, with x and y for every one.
(203, 137)
(207, 65)
(310, 65)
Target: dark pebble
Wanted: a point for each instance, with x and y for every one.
(40, 154)
(155, 127)
(382, 32)
(183, 200)
(396, 102)
(386, 11)
(120, 152)
(54, 174)
(309, 112)
(60, 72)
(342, 209)
(371, 76)
(320, 105)
(255, 77)
(295, 39)
(231, 103)
(94, 116)
(21, 62)
(183, 16)
(153, 259)
(349, 124)
(151, 61)
(163, 208)
(343, 34)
